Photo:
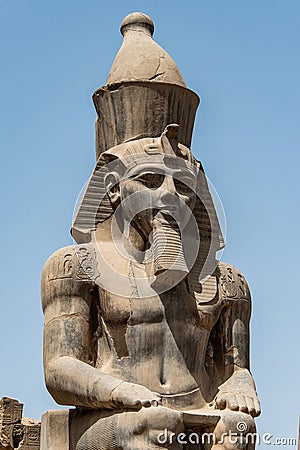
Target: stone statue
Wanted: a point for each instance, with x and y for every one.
(146, 333)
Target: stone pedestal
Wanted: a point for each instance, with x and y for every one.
(55, 430)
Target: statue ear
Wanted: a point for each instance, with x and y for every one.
(112, 187)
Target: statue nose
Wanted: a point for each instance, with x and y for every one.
(167, 198)
(169, 191)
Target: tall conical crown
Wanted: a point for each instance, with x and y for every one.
(140, 58)
(145, 91)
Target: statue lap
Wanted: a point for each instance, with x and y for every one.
(157, 427)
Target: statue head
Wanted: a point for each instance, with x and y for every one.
(154, 194)
(146, 182)
(151, 184)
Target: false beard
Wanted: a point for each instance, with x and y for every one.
(169, 263)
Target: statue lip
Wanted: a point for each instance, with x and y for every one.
(172, 215)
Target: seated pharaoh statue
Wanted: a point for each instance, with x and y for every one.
(146, 332)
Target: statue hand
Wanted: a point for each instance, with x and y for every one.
(134, 396)
(238, 402)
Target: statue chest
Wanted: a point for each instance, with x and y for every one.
(175, 306)
(118, 310)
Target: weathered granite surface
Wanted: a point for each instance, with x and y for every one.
(146, 332)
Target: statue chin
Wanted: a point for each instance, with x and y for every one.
(169, 262)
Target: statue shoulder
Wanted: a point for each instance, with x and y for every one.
(232, 282)
(70, 271)
(75, 262)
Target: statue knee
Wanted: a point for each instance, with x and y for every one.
(154, 427)
(235, 430)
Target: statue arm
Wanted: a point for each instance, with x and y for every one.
(69, 355)
(70, 375)
(238, 391)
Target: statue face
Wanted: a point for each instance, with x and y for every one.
(153, 196)
(163, 190)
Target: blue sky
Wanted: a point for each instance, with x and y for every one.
(242, 58)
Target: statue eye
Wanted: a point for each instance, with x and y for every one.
(151, 180)
(182, 188)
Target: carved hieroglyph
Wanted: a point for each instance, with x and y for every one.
(146, 333)
(17, 432)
